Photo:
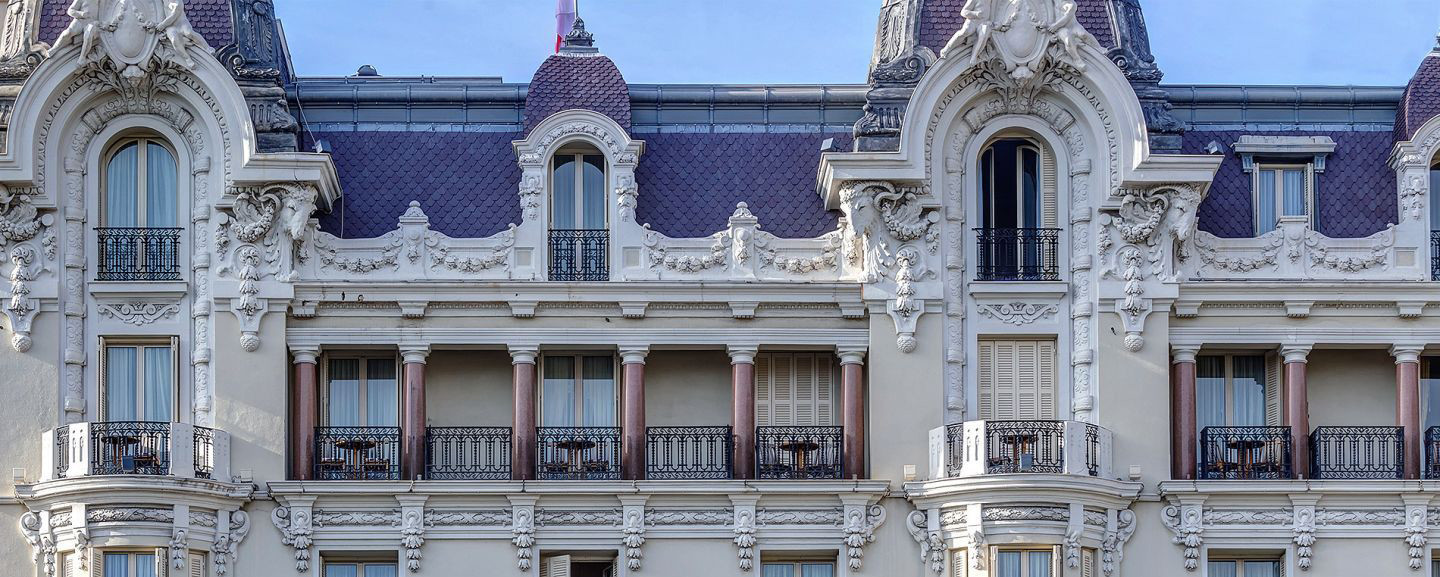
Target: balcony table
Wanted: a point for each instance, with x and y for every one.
(800, 449)
(1245, 453)
(1020, 444)
(574, 447)
(118, 452)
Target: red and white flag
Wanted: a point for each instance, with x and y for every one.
(564, 20)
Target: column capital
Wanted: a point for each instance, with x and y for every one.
(1295, 353)
(742, 354)
(1183, 353)
(414, 354)
(305, 354)
(850, 355)
(633, 355)
(524, 354)
(1407, 352)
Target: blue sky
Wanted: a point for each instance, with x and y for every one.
(1369, 42)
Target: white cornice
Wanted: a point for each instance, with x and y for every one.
(388, 489)
(1024, 488)
(1345, 336)
(132, 489)
(657, 338)
(1317, 291)
(1390, 488)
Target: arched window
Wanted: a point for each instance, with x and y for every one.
(1017, 237)
(139, 237)
(1435, 219)
(579, 230)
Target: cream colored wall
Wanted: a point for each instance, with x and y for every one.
(469, 389)
(1351, 387)
(904, 397)
(464, 558)
(1132, 390)
(33, 403)
(687, 388)
(262, 554)
(1150, 553)
(251, 397)
(692, 558)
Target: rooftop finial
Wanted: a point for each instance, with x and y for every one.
(578, 41)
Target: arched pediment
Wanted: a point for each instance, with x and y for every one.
(587, 126)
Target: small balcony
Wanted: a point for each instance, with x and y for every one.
(579, 255)
(138, 254)
(1357, 453)
(975, 448)
(1435, 254)
(688, 452)
(136, 448)
(357, 453)
(467, 453)
(1018, 254)
(799, 452)
(575, 453)
(1245, 453)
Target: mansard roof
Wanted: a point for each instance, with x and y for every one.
(577, 81)
(1421, 101)
(941, 19)
(211, 18)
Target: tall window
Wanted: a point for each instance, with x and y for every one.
(140, 186)
(1017, 239)
(362, 392)
(129, 565)
(578, 391)
(362, 569)
(1430, 388)
(1032, 563)
(1017, 379)
(138, 379)
(1282, 190)
(579, 235)
(795, 389)
(1243, 568)
(1236, 391)
(1010, 185)
(797, 569)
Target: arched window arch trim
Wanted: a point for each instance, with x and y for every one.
(145, 194)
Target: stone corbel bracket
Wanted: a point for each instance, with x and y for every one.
(295, 522)
(1142, 242)
(897, 229)
(522, 529)
(745, 540)
(412, 528)
(632, 534)
(1186, 523)
(861, 521)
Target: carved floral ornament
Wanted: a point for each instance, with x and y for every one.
(1141, 244)
(131, 34)
(899, 240)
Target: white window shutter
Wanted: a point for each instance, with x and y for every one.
(1026, 379)
(805, 389)
(1017, 380)
(986, 369)
(794, 389)
(197, 565)
(764, 391)
(824, 390)
(960, 562)
(67, 565)
(782, 390)
(557, 566)
(1049, 189)
(1045, 371)
(1274, 410)
(1087, 563)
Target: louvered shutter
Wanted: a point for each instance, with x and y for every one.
(161, 562)
(557, 566)
(803, 379)
(1274, 412)
(197, 565)
(1017, 380)
(1049, 189)
(1087, 563)
(794, 389)
(986, 368)
(782, 390)
(1045, 379)
(104, 370)
(960, 562)
(67, 565)
(764, 391)
(824, 390)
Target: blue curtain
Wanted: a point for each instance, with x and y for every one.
(117, 565)
(599, 384)
(344, 392)
(381, 394)
(120, 398)
(1030, 186)
(557, 398)
(1209, 391)
(1249, 383)
(161, 206)
(159, 384)
(1294, 193)
(1262, 569)
(594, 191)
(1008, 564)
(1039, 562)
(341, 570)
(1265, 203)
(1435, 199)
(1430, 388)
(145, 565)
(122, 203)
(817, 570)
(381, 570)
(777, 570)
(1221, 569)
(562, 211)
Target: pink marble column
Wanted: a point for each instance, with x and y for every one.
(1182, 413)
(523, 442)
(1297, 408)
(742, 411)
(1407, 404)
(305, 408)
(852, 409)
(412, 423)
(632, 441)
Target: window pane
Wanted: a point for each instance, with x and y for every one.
(344, 405)
(1039, 563)
(562, 214)
(1265, 203)
(594, 190)
(557, 397)
(599, 383)
(122, 204)
(777, 570)
(1430, 387)
(117, 565)
(1030, 184)
(1294, 192)
(120, 386)
(380, 570)
(1007, 564)
(1262, 569)
(1435, 198)
(987, 183)
(1209, 391)
(159, 383)
(1249, 390)
(817, 570)
(381, 393)
(160, 200)
(341, 570)
(1221, 569)
(145, 565)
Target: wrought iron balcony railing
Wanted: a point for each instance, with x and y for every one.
(1018, 254)
(799, 452)
(579, 255)
(1434, 254)
(578, 452)
(688, 452)
(467, 453)
(204, 447)
(1245, 453)
(357, 453)
(138, 254)
(1357, 453)
(136, 448)
(977, 448)
(130, 448)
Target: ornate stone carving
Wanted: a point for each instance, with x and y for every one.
(905, 309)
(656, 517)
(660, 257)
(129, 515)
(1304, 530)
(1112, 546)
(20, 307)
(1026, 36)
(41, 541)
(1415, 529)
(256, 51)
(560, 517)
(860, 525)
(897, 234)
(932, 547)
(1132, 54)
(20, 50)
(84, 552)
(625, 197)
(633, 536)
(523, 537)
(275, 218)
(1153, 226)
(1211, 255)
(334, 518)
(131, 35)
(19, 219)
(1185, 522)
(440, 253)
(898, 63)
(412, 536)
(1412, 198)
(1321, 254)
(745, 537)
(224, 552)
(249, 308)
(179, 546)
(483, 518)
(829, 516)
(139, 313)
(1328, 517)
(598, 134)
(294, 524)
(531, 187)
(978, 550)
(1018, 313)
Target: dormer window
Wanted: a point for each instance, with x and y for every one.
(138, 237)
(579, 227)
(1018, 239)
(1283, 191)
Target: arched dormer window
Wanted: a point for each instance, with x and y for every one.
(1435, 219)
(1018, 238)
(579, 221)
(139, 211)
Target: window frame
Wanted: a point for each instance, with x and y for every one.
(141, 140)
(1279, 168)
(139, 343)
(363, 358)
(1025, 551)
(359, 564)
(156, 557)
(1228, 368)
(797, 565)
(577, 153)
(1241, 560)
(988, 192)
(577, 384)
(765, 368)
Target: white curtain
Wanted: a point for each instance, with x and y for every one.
(599, 385)
(1039, 562)
(1008, 563)
(159, 384)
(381, 571)
(1265, 203)
(1435, 199)
(1221, 569)
(1294, 193)
(1430, 388)
(117, 565)
(1249, 383)
(562, 214)
(777, 570)
(557, 407)
(1262, 569)
(121, 199)
(381, 394)
(594, 192)
(144, 565)
(341, 570)
(1210, 392)
(344, 392)
(160, 200)
(817, 570)
(120, 398)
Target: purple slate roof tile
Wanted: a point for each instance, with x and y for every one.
(1421, 100)
(941, 19)
(588, 82)
(467, 182)
(211, 18)
(1354, 197)
(689, 183)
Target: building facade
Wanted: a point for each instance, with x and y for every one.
(1012, 308)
